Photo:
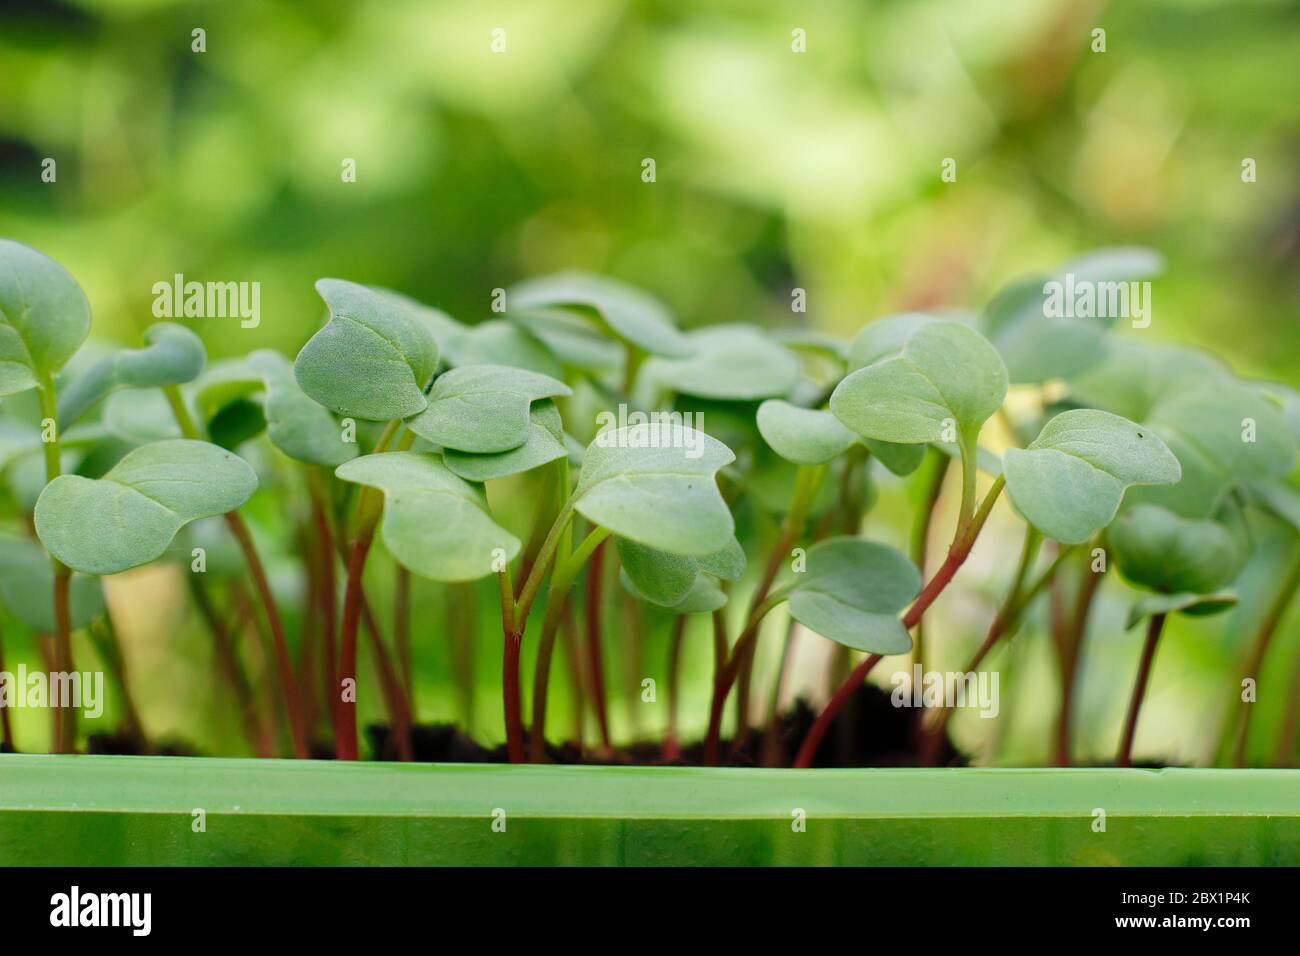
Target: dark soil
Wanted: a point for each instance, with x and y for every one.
(870, 732)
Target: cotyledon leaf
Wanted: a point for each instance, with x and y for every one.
(1069, 481)
(374, 356)
(27, 586)
(172, 355)
(501, 342)
(435, 523)
(852, 592)
(1196, 605)
(1223, 437)
(44, 317)
(665, 579)
(545, 443)
(574, 341)
(1157, 549)
(296, 425)
(631, 314)
(944, 376)
(729, 362)
(129, 516)
(702, 597)
(1136, 376)
(654, 484)
(805, 436)
(1038, 332)
(483, 408)
(885, 337)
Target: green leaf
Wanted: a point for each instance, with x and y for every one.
(813, 341)
(1137, 376)
(483, 408)
(804, 436)
(944, 372)
(901, 460)
(44, 317)
(435, 523)
(628, 312)
(1157, 549)
(27, 587)
(576, 342)
(140, 416)
(729, 362)
(172, 355)
(654, 484)
(374, 356)
(545, 443)
(1196, 605)
(1280, 499)
(666, 579)
(852, 592)
(499, 342)
(885, 337)
(1223, 437)
(703, 597)
(1038, 346)
(129, 516)
(296, 425)
(1070, 480)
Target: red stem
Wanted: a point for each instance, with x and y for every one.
(1125, 758)
(824, 720)
(346, 744)
(595, 583)
(329, 609)
(289, 683)
(510, 691)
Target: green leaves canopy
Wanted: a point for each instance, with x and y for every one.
(483, 408)
(942, 371)
(653, 484)
(852, 592)
(172, 355)
(296, 425)
(1070, 480)
(44, 317)
(632, 315)
(129, 516)
(804, 436)
(435, 523)
(373, 357)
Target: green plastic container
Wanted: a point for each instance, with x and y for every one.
(144, 811)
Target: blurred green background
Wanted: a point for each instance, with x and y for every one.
(775, 169)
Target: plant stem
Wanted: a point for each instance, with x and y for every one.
(65, 718)
(566, 572)
(808, 750)
(672, 746)
(368, 518)
(6, 729)
(284, 665)
(328, 599)
(596, 667)
(1073, 652)
(230, 667)
(1263, 638)
(1286, 739)
(958, 551)
(402, 631)
(807, 482)
(1125, 758)
(771, 749)
(938, 465)
(1006, 618)
(104, 636)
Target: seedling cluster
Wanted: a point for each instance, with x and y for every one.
(718, 479)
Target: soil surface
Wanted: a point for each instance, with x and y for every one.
(869, 732)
